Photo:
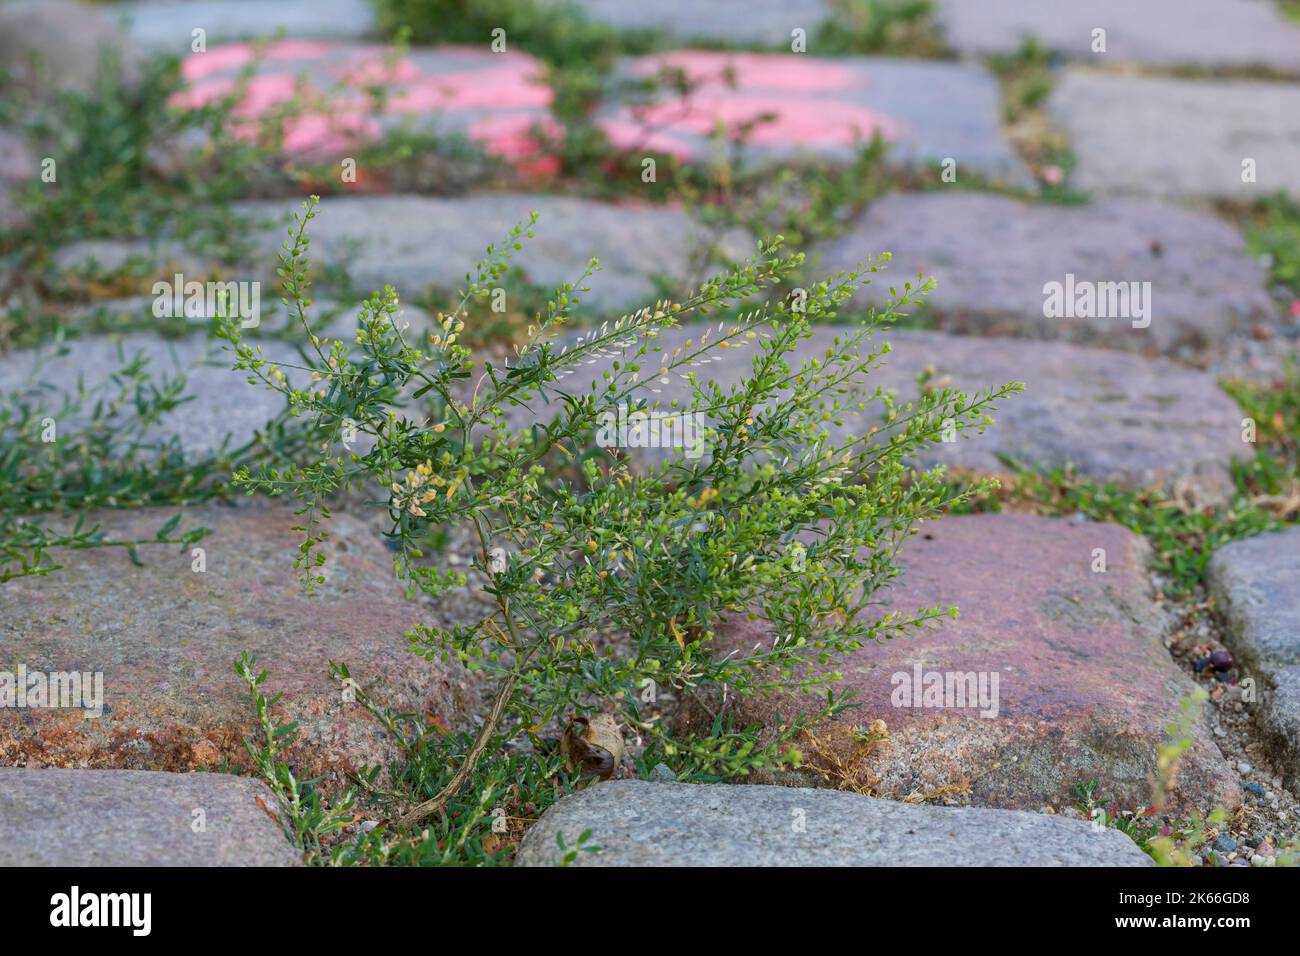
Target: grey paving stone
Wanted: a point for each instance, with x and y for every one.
(414, 242)
(926, 110)
(223, 404)
(52, 46)
(758, 22)
(1279, 719)
(1158, 32)
(328, 316)
(1159, 136)
(1114, 416)
(638, 823)
(138, 818)
(90, 258)
(224, 408)
(19, 166)
(1255, 584)
(992, 257)
(167, 27)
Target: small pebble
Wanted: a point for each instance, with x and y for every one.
(1221, 661)
(662, 773)
(1225, 844)
(1244, 767)
(1256, 789)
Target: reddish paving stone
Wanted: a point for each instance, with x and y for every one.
(992, 257)
(139, 818)
(1086, 688)
(495, 99)
(819, 107)
(165, 638)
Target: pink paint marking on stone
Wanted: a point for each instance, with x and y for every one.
(267, 91)
(377, 69)
(220, 59)
(790, 121)
(503, 88)
(627, 134)
(512, 138)
(509, 84)
(507, 87)
(787, 101)
(316, 133)
(263, 92)
(234, 56)
(755, 71)
(201, 93)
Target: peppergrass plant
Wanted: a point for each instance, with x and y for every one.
(610, 575)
